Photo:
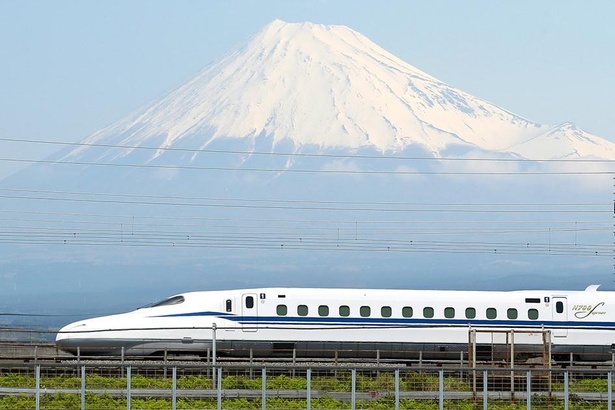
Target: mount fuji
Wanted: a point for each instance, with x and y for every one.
(294, 87)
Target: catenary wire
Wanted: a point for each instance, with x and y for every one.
(303, 154)
(310, 171)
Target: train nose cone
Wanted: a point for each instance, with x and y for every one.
(67, 338)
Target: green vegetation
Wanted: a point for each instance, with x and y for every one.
(107, 402)
(328, 387)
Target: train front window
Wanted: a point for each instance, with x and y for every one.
(175, 300)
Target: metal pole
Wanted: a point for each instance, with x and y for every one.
(512, 364)
(37, 376)
(549, 366)
(609, 378)
(213, 343)
(83, 387)
(528, 381)
(308, 393)
(174, 389)
(219, 388)
(470, 356)
(213, 352)
(472, 361)
(396, 389)
(566, 390)
(251, 363)
(441, 389)
(353, 392)
(210, 369)
(128, 377)
(264, 388)
(485, 390)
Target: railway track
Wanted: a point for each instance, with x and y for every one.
(12, 352)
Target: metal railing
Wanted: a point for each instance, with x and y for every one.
(176, 386)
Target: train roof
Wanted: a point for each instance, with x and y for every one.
(376, 292)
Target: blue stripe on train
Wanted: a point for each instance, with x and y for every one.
(390, 322)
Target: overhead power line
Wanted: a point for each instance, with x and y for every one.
(316, 205)
(302, 154)
(314, 230)
(306, 171)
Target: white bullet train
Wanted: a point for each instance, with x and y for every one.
(312, 322)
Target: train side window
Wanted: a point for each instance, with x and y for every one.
(386, 311)
(282, 310)
(559, 307)
(365, 311)
(406, 311)
(229, 305)
(344, 311)
(323, 310)
(302, 310)
(249, 302)
(492, 313)
(470, 313)
(532, 314)
(449, 312)
(512, 313)
(428, 312)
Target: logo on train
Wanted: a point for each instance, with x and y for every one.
(583, 311)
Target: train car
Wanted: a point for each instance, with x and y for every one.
(326, 322)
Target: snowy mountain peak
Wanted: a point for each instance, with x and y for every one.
(318, 86)
(326, 39)
(566, 141)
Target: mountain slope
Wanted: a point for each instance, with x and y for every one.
(566, 141)
(323, 87)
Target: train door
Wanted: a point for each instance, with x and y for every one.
(249, 312)
(559, 308)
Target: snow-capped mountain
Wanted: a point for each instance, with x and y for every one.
(568, 142)
(318, 87)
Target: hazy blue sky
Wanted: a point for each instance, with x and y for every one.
(70, 68)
